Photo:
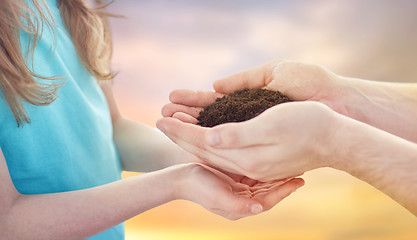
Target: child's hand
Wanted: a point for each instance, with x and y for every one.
(231, 196)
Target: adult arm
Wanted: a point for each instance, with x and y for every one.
(296, 137)
(379, 158)
(391, 107)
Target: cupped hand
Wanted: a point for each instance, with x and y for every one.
(232, 196)
(284, 141)
(299, 81)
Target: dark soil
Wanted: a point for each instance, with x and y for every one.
(240, 106)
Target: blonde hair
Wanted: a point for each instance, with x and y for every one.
(90, 33)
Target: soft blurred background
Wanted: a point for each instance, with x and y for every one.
(164, 45)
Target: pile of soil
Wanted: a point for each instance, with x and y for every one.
(240, 106)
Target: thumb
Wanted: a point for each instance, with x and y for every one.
(253, 78)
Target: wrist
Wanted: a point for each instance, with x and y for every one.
(344, 96)
(388, 106)
(330, 133)
(170, 182)
(356, 100)
(182, 180)
(355, 146)
(339, 144)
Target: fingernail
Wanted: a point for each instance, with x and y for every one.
(213, 138)
(256, 208)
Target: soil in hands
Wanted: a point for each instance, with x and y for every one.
(240, 106)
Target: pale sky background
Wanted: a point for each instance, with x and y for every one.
(165, 45)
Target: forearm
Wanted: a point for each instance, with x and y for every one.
(391, 107)
(141, 148)
(84, 213)
(385, 161)
(144, 149)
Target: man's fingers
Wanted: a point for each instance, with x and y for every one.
(194, 139)
(224, 136)
(238, 135)
(191, 138)
(185, 118)
(193, 98)
(188, 132)
(171, 108)
(208, 156)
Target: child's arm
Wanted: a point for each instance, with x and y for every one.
(84, 213)
(142, 148)
(78, 214)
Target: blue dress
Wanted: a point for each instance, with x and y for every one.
(68, 144)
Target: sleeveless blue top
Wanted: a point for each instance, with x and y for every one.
(68, 145)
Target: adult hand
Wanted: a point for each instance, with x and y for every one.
(284, 141)
(299, 81)
(378, 157)
(391, 107)
(231, 196)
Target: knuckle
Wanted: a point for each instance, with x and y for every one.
(283, 66)
(298, 70)
(319, 108)
(231, 138)
(228, 134)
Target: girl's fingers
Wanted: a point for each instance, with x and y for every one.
(249, 181)
(191, 98)
(277, 194)
(235, 206)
